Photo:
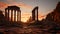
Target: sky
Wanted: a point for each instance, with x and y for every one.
(26, 7)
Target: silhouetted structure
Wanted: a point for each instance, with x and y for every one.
(1, 33)
(55, 15)
(2, 18)
(35, 13)
(13, 13)
(29, 20)
(1, 15)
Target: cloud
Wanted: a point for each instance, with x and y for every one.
(3, 5)
(10, 1)
(21, 4)
(25, 5)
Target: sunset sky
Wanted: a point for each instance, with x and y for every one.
(26, 7)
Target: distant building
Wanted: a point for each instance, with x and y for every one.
(35, 14)
(13, 13)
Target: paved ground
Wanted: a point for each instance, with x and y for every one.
(25, 30)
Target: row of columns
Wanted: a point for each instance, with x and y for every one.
(13, 15)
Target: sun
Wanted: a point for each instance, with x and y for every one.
(24, 19)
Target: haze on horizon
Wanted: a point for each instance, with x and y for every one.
(26, 6)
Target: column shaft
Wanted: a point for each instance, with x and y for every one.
(8, 14)
(15, 15)
(11, 15)
(37, 14)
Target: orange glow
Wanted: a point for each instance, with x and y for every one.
(3, 5)
(41, 17)
(25, 17)
(25, 9)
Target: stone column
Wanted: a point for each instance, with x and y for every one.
(37, 14)
(11, 15)
(19, 17)
(14, 15)
(8, 15)
(33, 14)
